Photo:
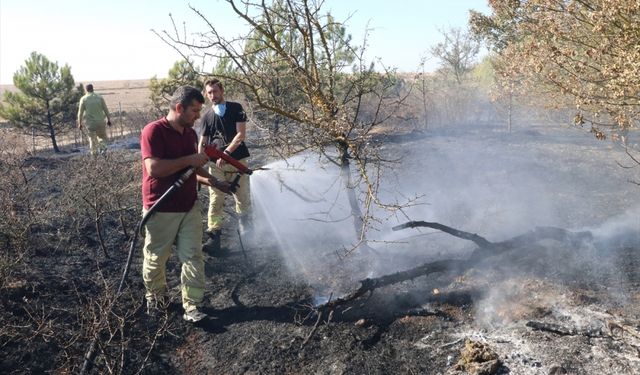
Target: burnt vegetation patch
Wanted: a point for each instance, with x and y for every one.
(72, 224)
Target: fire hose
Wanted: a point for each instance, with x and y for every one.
(213, 153)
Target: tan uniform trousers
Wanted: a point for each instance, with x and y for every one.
(97, 138)
(163, 230)
(242, 196)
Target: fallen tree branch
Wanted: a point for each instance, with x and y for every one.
(370, 284)
(485, 250)
(564, 331)
(548, 233)
(539, 233)
(458, 265)
(478, 240)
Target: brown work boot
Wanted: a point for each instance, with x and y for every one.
(212, 244)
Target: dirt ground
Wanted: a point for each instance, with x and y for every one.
(545, 307)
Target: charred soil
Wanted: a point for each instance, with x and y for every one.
(546, 307)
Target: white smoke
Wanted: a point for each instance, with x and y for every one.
(494, 184)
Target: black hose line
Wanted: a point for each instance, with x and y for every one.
(176, 185)
(91, 353)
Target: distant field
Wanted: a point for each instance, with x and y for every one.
(123, 97)
(125, 94)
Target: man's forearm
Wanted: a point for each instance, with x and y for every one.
(235, 142)
(201, 172)
(241, 130)
(202, 143)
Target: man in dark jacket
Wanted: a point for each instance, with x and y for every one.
(225, 125)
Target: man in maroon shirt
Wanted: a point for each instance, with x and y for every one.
(168, 148)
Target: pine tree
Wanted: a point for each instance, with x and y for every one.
(47, 101)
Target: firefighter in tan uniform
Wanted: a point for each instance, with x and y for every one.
(93, 110)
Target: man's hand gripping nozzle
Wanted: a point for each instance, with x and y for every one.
(214, 154)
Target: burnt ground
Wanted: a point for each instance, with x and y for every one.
(546, 307)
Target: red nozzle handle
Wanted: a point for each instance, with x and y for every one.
(214, 153)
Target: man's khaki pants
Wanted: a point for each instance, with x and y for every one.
(216, 197)
(163, 230)
(97, 138)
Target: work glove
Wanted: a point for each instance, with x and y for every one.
(109, 122)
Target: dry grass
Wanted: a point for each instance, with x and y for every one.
(124, 94)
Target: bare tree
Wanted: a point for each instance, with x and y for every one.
(298, 63)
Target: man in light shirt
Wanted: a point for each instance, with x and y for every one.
(93, 110)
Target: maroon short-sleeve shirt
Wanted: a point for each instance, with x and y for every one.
(160, 140)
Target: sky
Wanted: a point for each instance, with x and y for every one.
(113, 40)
